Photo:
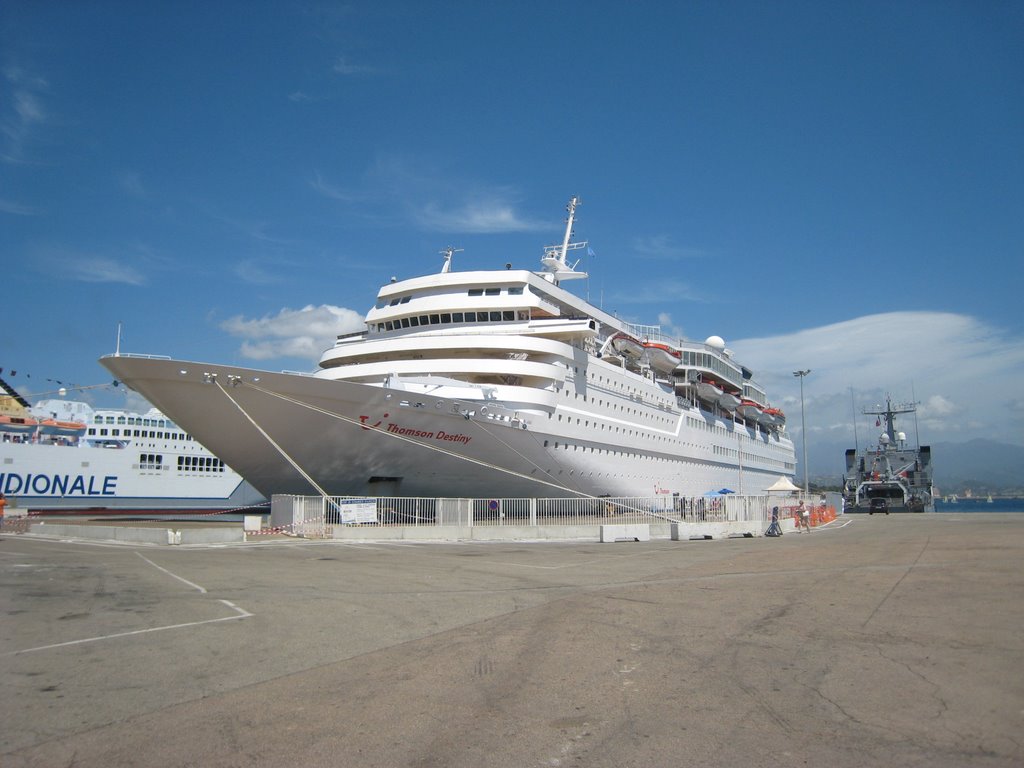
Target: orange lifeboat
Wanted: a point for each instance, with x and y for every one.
(61, 428)
(749, 410)
(663, 358)
(19, 425)
(627, 345)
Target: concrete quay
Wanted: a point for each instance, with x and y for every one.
(873, 641)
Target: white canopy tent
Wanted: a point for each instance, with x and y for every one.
(782, 485)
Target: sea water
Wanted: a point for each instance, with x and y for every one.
(980, 505)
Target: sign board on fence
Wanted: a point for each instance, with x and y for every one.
(357, 510)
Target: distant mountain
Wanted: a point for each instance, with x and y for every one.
(981, 465)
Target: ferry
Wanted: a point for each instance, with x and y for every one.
(893, 474)
(489, 384)
(63, 456)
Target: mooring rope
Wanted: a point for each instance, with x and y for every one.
(439, 449)
(271, 440)
(396, 436)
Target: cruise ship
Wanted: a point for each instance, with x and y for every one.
(64, 456)
(893, 475)
(493, 383)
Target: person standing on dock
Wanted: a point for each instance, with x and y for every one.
(803, 518)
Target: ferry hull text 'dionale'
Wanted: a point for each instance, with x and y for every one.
(62, 455)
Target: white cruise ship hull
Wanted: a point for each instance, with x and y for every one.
(297, 434)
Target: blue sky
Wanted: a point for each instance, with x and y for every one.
(834, 186)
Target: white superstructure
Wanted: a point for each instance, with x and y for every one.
(489, 383)
(63, 455)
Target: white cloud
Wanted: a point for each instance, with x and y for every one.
(299, 333)
(22, 114)
(345, 67)
(481, 216)
(131, 182)
(252, 271)
(103, 270)
(332, 191)
(96, 269)
(661, 248)
(669, 327)
(965, 374)
(433, 200)
(16, 209)
(663, 290)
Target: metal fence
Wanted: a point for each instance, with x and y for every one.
(314, 515)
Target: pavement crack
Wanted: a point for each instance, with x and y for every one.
(898, 582)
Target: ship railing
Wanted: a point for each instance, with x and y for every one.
(314, 515)
(141, 355)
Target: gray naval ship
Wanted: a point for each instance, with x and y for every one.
(892, 476)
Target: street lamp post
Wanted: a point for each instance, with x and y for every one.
(803, 425)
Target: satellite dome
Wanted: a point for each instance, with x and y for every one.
(715, 342)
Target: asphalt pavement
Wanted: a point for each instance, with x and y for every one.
(874, 641)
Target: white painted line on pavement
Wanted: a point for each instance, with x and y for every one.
(240, 614)
(179, 578)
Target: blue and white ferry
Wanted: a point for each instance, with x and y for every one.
(65, 456)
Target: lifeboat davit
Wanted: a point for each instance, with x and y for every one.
(627, 345)
(663, 358)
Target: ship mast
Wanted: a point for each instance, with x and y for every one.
(554, 260)
(448, 253)
(889, 412)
